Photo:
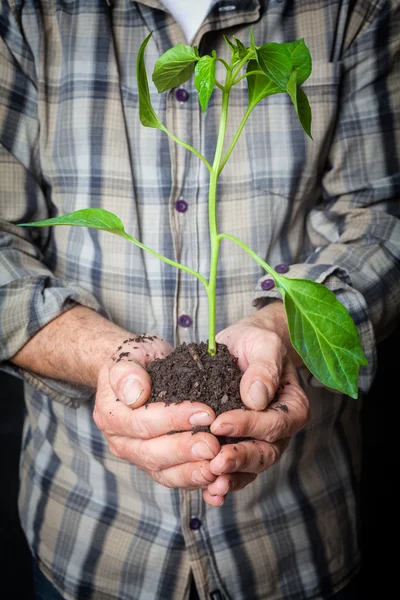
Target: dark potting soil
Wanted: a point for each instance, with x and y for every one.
(190, 373)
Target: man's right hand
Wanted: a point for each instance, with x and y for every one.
(139, 434)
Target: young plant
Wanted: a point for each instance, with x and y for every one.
(321, 329)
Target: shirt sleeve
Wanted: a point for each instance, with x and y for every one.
(355, 228)
(30, 295)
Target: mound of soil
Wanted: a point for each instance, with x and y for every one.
(190, 373)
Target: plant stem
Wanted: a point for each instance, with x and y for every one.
(247, 74)
(188, 147)
(259, 260)
(235, 139)
(165, 259)
(212, 212)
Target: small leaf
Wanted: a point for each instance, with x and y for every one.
(259, 86)
(96, 218)
(241, 49)
(291, 88)
(252, 41)
(147, 115)
(174, 67)
(204, 79)
(274, 59)
(230, 44)
(323, 333)
(304, 111)
(301, 59)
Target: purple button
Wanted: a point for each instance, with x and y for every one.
(281, 268)
(181, 95)
(184, 321)
(267, 284)
(194, 523)
(181, 206)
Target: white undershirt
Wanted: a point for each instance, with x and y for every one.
(189, 14)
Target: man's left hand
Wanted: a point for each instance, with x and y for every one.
(271, 389)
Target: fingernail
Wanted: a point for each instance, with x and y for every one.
(227, 467)
(201, 418)
(131, 390)
(201, 450)
(223, 429)
(258, 395)
(197, 477)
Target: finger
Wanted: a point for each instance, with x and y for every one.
(283, 418)
(189, 476)
(129, 381)
(232, 482)
(260, 381)
(112, 417)
(248, 457)
(166, 451)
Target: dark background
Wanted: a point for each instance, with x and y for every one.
(378, 502)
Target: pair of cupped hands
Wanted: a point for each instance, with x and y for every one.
(139, 434)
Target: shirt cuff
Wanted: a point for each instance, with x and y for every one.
(338, 280)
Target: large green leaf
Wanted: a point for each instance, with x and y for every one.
(96, 218)
(323, 333)
(301, 59)
(174, 67)
(204, 79)
(259, 86)
(274, 59)
(147, 115)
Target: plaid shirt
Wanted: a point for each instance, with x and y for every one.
(70, 138)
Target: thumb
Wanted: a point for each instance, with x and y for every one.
(262, 377)
(131, 383)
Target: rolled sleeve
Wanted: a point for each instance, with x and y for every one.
(30, 295)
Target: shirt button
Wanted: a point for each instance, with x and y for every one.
(184, 321)
(267, 284)
(181, 95)
(181, 206)
(194, 523)
(281, 268)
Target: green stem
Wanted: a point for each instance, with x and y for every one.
(259, 260)
(188, 147)
(165, 259)
(241, 64)
(247, 74)
(235, 139)
(212, 208)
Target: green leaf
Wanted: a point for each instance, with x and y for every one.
(274, 59)
(204, 79)
(147, 115)
(259, 86)
(174, 67)
(241, 49)
(96, 218)
(301, 59)
(300, 102)
(304, 111)
(252, 41)
(323, 333)
(230, 44)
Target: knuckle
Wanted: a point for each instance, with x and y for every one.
(276, 431)
(99, 419)
(115, 448)
(146, 457)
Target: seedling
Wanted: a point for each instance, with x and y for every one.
(321, 330)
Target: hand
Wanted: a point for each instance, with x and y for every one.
(140, 436)
(269, 384)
